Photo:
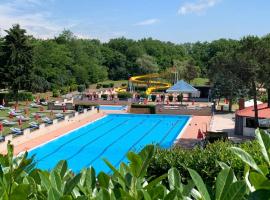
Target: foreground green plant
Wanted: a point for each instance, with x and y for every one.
(19, 179)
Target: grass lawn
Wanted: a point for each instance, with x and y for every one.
(200, 82)
(116, 83)
(22, 106)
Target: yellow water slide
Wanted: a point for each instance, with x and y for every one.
(152, 85)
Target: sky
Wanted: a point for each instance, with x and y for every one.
(178, 21)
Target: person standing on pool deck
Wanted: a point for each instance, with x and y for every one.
(98, 109)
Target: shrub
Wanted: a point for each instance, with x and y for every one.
(153, 97)
(104, 96)
(180, 97)
(56, 93)
(123, 84)
(152, 108)
(263, 98)
(98, 86)
(203, 161)
(64, 90)
(81, 88)
(162, 97)
(22, 96)
(170, 98)
(73, 87)
(140, 88)
(105, 85)
(143, 95)
(124, 95)
(111, 85)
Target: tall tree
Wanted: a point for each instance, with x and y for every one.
(17, 59)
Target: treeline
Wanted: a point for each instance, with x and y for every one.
(68, 61)
(236, 68)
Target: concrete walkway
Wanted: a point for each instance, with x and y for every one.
(224, 123)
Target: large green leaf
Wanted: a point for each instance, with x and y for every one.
(116, 172)
(236, 191)
(174, 179)
(61, 167)
(260, 194)
(53, 194)
(71, 184)
(103, 180)
(246, 158)
(224, 180)
(135, 163)
(199, 184)
(146, 154)
(264, 140)
(259, 181)
(20, 192)
(45, 181)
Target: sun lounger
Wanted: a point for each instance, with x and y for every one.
(44, 103)
(13, 113)
(47, 120)
(34, 105)
(16, 131)
(2, 118)
(3, 107)
(23, 118)
(39, 114)
(2, 138)
(59, 116)
(34, 125)
(8, 123)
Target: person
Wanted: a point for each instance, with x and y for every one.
(98, 109)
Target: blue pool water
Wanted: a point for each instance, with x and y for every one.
(110, 137)
(105, 107)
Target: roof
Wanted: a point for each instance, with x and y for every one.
(263, 111)
(182, 86)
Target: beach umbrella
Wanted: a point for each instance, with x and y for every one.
(1, 128)
(20, 122)
(64, 108)
(36, 116)
(10, 115)
(200, 134)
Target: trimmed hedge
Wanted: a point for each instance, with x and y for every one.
(78, 107)
(104, 96)
(124, 95)
(204, 161)
(22, 96)
(152, 108)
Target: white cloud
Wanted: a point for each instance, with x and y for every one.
(25, 13)
(147, 22)
(197, 7)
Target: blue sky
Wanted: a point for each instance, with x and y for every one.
(168, 20)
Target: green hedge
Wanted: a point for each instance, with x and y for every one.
(85, 106)
(152, 108)
(22, 96)
(124, 95)
(204, 161)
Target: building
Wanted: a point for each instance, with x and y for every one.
(245, 122)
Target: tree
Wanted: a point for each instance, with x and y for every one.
(249, 66)
(17, 59)
(146, 64)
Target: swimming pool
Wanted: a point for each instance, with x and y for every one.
(107, 107)
(110, 137)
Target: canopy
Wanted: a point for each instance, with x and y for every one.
(182, 87)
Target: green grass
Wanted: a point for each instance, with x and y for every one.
(22, 106)
(116, 83)
(200, 82)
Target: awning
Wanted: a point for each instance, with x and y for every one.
(182, 87)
